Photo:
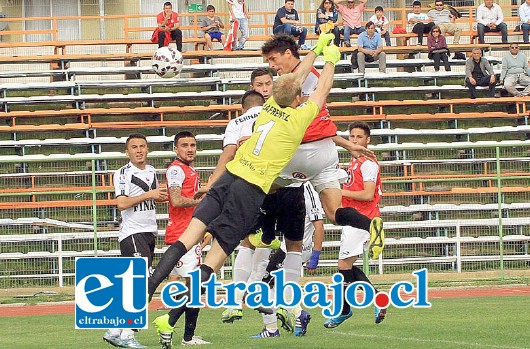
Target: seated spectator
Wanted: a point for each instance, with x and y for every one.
(524, 14)
(479, 72)
(352, 15)
(211, 25)
(288, 22)
(490, 19)
(422, 23)
(381, 23)
(168, 28)
(327, 13)
(370, 48)
(438, 50)
(515, 71)
(443, 18)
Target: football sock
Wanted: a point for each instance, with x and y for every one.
(126, 333)
(352, 217)
(191, 323)
(275, 263)
(348, 279)
(115, 331)
(359, 275)
(175, 314)
(292, 265)
(259, 264)
(175, 252)
(242, 268)
(206, 271)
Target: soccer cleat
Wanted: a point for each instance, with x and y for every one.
(377, 238)
(301, 324)
(195, 340)
(336, 321)
(230, 315)
(164, 330)
(112, 339)
(286, 318)
(256, 240)
(380, 314)
(131, 342)
(266, 334)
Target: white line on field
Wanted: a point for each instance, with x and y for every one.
(412, 339)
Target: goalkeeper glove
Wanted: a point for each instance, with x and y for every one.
(331, 54)
(323, 41)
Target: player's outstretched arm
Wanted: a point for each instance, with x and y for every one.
(307, 63)
(331, 57)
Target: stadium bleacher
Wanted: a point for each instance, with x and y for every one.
(454, 169)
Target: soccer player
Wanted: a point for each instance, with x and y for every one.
(260, 82)
(136, 189)
(247, 258)
(182, 182)
(231, 207)
(283, 221)
(318, 144)
(248, 261)
(363, 192)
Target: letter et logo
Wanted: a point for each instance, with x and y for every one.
(111, 292)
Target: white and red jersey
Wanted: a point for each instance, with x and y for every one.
(322, 126)
(359, 171)
(179, 174)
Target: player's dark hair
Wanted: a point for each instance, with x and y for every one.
(135, 136)
(369, 24)
(252, 99)
(286, 1)
(183, 134)
(167, 3)
(378, 8)
(280, 43)
(359, 124)
(210, 7)
(416, 3)
(259, 72)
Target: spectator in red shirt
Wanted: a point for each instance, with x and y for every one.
(168, 27)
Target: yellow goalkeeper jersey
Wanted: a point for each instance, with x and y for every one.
(277, 134)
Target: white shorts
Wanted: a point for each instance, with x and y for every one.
(189, 262)
(353, 242)
(317, 162)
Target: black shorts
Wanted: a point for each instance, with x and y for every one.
(139, 245)
(230, 210)
(284, 212)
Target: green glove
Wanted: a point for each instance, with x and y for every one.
(324, 40)
(331, 54)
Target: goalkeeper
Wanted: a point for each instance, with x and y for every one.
(231, 207)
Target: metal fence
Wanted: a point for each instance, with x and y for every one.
(446, 207)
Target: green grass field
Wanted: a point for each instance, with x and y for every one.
(491, 322)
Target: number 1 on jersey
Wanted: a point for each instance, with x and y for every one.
(264, 130)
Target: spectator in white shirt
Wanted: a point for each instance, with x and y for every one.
(524, 14)
(491, 19)
(381, 24)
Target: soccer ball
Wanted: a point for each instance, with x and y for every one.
(167, 62)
